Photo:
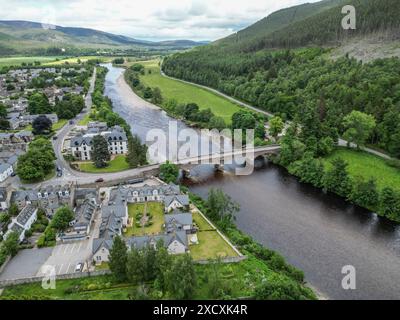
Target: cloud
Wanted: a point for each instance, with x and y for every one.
(148, 19)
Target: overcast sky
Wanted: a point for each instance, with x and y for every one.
(148, 19)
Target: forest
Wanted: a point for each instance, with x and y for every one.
(303, 84)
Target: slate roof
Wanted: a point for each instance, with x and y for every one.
(177, 221)
(181, 198)
(25, 215)
(4, 167)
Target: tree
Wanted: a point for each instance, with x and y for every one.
(190, 112)
(389, 204)
(37, 162)
(309, 169)
(42, 125)
(276, 126)
(38, 103)
(62, 218)
(134, 266)
(3, 110)
(11, 244)
(163, 265)
(278, 288)
(13, 209)
(365, 193)
(148, 93)
(217, 123)
(181, 278)
(337, 179)
(221, 206)
(359, 127)
(137, 152)
(169, 172)
(157, 96)
(100, 153)
(118, 259)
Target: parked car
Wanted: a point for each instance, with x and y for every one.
(59, 173)
(71, 122)
(100, 180)
(13, 174)
(55, 138)
(79, 267)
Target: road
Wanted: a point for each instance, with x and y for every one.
(341, 142)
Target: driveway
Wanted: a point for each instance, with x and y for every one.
(26, 263)
(66, 256)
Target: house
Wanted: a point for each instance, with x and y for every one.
(143, 194)
(81, 145)
(23, 198)
(178, 221)
(50, 198)
(176, 243)
(3, 199)
(84, 215)
(6, 170)
(113, 219)
(22, 222)
(176, 201)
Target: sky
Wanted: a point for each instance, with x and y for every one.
(148, 19)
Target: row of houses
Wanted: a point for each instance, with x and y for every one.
(178, 222)
(51, 198)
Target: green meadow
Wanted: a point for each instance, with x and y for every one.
(186, 93)
(366, 165)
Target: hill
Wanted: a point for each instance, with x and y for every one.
(287, 69)
(26, 36)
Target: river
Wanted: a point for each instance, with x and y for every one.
(315, 232)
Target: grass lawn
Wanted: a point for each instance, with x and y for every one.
(58, 125)
(201, 223)
(211, 246)
(185, 93)
(115, 165)
(366, 165)
(154, 208)
(85, 120)
(17, 61)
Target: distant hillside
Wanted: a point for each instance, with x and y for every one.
(278, 20)
(19, 36)
(316, 24)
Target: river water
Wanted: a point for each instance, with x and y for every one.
(315, 232)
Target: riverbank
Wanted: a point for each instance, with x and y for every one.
(316, 232)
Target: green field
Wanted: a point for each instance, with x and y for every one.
(156, 209)
(211, 245)
(186, 93)
(74, 60)
(115, 165)
(17, 61)
(367, 166)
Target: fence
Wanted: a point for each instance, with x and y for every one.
(76, 275)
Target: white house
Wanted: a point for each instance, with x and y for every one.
(82, 145)
(176, 201)
(6, 170)
(22, 222)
